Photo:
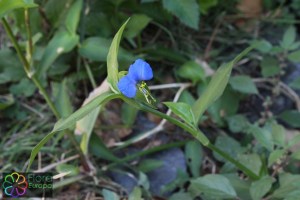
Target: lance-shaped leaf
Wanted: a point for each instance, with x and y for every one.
(9, 5)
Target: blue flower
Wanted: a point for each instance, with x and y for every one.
(138, 71)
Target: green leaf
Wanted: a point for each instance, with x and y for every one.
(187, 11)
(295, 140)
(128, 114)
(9, 5)
(241, 186)
(278, 134)
(194, 157)
(289, 37)
(296, 155)
(291, 117)
(67, 168)
(98, 148)
(181, 196)
(263, 46)
(260, 188)
(112, 59)
(109, 195)
(192, 71)
(295, 84)
(73, 16)
(71, 120)
(62, 42)
(243, 84)
(274, 156)
(289, 183)
(62, 99)
(214, 186)
(186, 97)
(269, 66)
(228, 145)
(294, 56)
(148, 165)
(24, 88)
(252, 161)
(136, 24)
(96, 49)
(205, 5)
(182, 110)
(262, 135)
(237, 123)
(136, 194)
(216, 86)
(6, 101)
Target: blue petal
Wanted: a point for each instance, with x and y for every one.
(140, 71)
(127, 86)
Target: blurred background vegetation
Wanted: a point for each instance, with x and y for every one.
(256, 121)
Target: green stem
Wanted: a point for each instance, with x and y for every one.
(29, 36)
(201, 137)
(16, 45)
(42, 89)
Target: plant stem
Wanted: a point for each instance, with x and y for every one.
(29, 36)
(42, 90)
(201, 137)
(16, 45)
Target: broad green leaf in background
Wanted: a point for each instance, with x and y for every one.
(275, 156)
(98, 148)
(96, 49)
(269, 66)
(11, 69)
(205, 5)
(296, 155)
(237, 123)
(73, 16)
(259, 188)
(112, 59)
(9, 5)
(181, 196)
(244, 84)
(6, 101)
(263, 46)
(192, 71)
(187, 11)
(214, 186)
(109, 195)
(252, 161)
(62, 42)
(241, 186)
(24, 88)
(262, 135)
(182, 110)
(296, 83)
(128, 114)
(136, 24)
(63, 124)
(136, 194)
(291, 117)
(295, 140)
(194, 157)
(289, 184)
(186, 97)
(294, 56)
(278, 134)
(216, 86)
(62, 98)
(289, 37)
(228, 145)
